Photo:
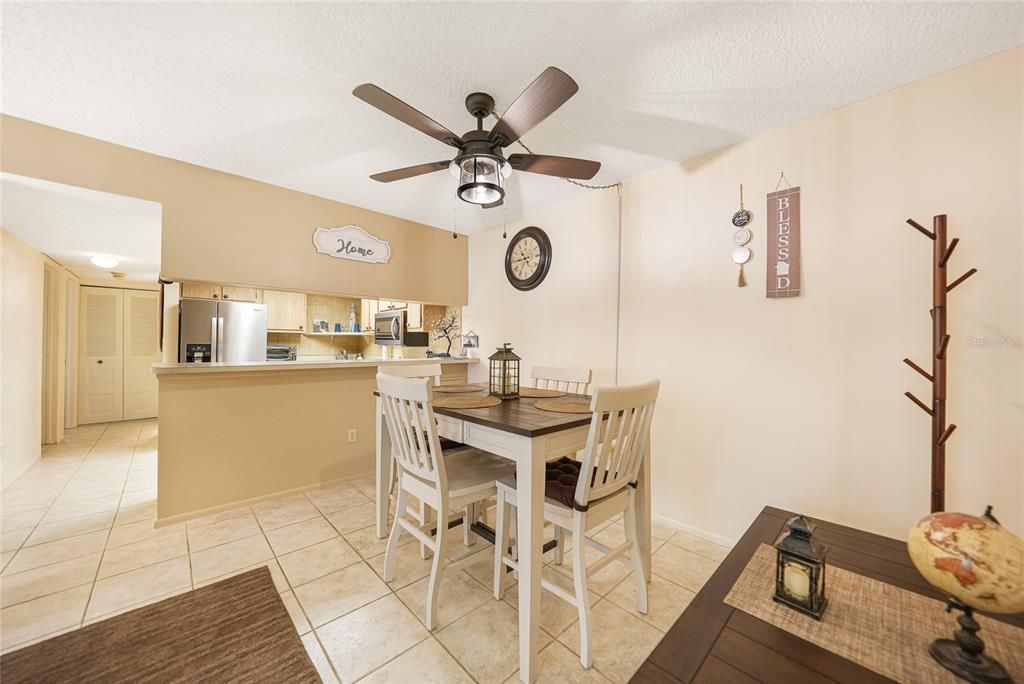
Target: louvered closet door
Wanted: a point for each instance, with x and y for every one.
(101, 357)
(141, 350)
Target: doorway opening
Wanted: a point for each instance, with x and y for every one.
(101, 307)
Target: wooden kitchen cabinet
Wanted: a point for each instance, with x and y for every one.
(240, 294)
(286, 311)
(414, 316)
(368, 309)
(200, 290)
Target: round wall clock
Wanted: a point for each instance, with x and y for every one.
(528, 258)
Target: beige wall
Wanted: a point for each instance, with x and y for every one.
(569, 320)
(223, 228)
(798, 403)
(21, 356)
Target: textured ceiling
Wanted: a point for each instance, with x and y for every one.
(72, 225)
(264, 90)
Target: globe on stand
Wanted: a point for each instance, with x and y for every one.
(981, 566)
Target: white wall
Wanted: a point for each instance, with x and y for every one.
(21, 356)
(798, 403)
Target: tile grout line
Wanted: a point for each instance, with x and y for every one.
(103, 553)
(70, 478)
(50, 505)
(71, 558)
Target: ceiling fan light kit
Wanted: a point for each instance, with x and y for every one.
(481, 177)
(481, 167)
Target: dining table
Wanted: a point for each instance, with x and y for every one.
(529, 437)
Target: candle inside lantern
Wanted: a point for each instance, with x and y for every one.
(797, 581)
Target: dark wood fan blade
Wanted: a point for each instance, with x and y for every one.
(564, 167)
(493, 204)
(547, 93)
(410, 171)
(392, 106)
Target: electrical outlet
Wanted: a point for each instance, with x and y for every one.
(352, 436)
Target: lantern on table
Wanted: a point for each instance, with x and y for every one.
(800, 569)
(504, 374)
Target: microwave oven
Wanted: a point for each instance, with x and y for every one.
(389, 327)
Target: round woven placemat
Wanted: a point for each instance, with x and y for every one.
(458, 389)
(564, 405)
(537, 393)
(466, 402)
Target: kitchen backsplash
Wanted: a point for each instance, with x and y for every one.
(336, 310)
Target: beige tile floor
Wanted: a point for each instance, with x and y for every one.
(78, 545)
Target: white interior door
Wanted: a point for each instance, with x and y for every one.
(141, 350)
(101, 355)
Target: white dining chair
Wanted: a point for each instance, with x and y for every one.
(432, 371)
(619, 430)
(443, 482)
(413, 370)
(571, 380)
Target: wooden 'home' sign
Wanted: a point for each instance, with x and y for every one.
(783, 271)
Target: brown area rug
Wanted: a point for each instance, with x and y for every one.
(236, 630)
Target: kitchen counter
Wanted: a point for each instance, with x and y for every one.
(233, 434)
(316, 364)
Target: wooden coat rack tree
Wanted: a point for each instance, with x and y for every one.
(940, 342)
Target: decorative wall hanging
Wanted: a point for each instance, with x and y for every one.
(941, 252)
(741, 254)
(741, 217)
(783, 271)
(353, 243)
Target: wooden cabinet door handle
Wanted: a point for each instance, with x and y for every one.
(100, 361)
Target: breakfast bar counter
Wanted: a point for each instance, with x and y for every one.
(236, 433)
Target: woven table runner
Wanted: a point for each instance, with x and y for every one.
(564, 405)
(466, 402)
(876, 625)
(538, 393)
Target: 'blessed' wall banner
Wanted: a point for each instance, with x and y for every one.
(783, 271)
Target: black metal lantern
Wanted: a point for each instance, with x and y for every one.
(800, 569)
(504, 376)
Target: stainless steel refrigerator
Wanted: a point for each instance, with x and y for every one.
(213, 331)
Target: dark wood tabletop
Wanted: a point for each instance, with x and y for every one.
(518, 416)
(714, 642)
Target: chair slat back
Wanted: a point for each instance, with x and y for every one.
(617, 441)
(408, 410)
(571, 380)
(413, 370)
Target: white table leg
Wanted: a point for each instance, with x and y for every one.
(382, 454)
(643, 510)
(530, 513)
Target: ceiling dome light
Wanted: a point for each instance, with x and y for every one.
(481, 178)
(104, 261)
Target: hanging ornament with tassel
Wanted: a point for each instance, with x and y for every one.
(740, 238)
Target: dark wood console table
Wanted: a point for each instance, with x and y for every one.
(714, 642)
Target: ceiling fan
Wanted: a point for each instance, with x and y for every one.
(480, 165)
